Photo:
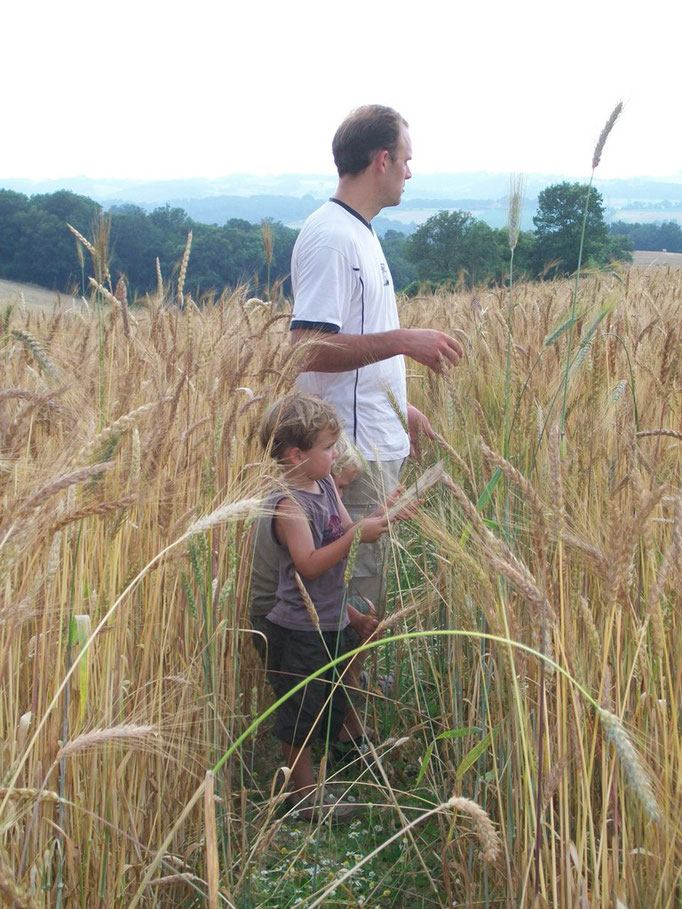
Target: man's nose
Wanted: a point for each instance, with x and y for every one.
(408, 172)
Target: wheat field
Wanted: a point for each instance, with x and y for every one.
(530, 753)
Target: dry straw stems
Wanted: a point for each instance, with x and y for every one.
(180, 653)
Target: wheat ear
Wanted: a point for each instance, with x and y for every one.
(15, 894)
(604, 134)
(183, 268)
(635, 771)
(126, 732)
(231, 511)
(488, 836)
(307, 602)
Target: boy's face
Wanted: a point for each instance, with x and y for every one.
(345, 478)
(317, 461)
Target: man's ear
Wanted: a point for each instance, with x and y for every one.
(380, 160)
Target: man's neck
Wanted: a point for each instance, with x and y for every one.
(357, 193)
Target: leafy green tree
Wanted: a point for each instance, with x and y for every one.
(453, 245)
(35, 243)
(12, 205)
(436, 245)
(558, 226)
(485, 253)
(403, 271)
(68, 207)
(136, 240)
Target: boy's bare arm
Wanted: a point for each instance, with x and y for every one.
(293, 530)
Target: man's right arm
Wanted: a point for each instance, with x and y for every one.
(339, 352)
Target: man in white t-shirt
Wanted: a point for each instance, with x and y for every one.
(345, 309)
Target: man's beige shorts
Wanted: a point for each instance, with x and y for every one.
(361, 497)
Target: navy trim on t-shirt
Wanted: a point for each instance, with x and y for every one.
(356, 214)
(314, 326)
(357, 371)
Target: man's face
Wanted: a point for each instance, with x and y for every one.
(398, 169)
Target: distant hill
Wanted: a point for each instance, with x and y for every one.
(290, 198)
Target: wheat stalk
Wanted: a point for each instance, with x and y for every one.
(126, 732)
(120, 425)
(37, 351)
(307, 602)
(183, 269)
(81, 239)
(352, 555)
(419, 488)
(159, 280)
(604, 135)
(635, 770)
(91, 511)
(107, 294)
(16, 896)
(230, 511)
(659, 432)
(44, 795)
(457, 458)
(66, 480)
(514, 210)
(488, 836)
(212, 867)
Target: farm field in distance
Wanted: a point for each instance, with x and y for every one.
(34, 297)
(530, 752)
(643, 257)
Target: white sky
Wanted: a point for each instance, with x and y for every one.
(163, 90)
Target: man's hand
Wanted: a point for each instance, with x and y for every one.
(405, 514)
(417, 424)
(433, 348)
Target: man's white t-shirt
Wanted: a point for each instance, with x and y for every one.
(342, 284)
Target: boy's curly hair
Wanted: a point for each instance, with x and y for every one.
(295, 421)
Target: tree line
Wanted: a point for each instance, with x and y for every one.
(451, 246)
(655, 237)
(36, 245)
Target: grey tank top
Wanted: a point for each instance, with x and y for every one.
(327, 591)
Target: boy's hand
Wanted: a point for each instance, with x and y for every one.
(364, 623)
(373, 527)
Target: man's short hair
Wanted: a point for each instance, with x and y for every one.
(295, 421)
(363, 133)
